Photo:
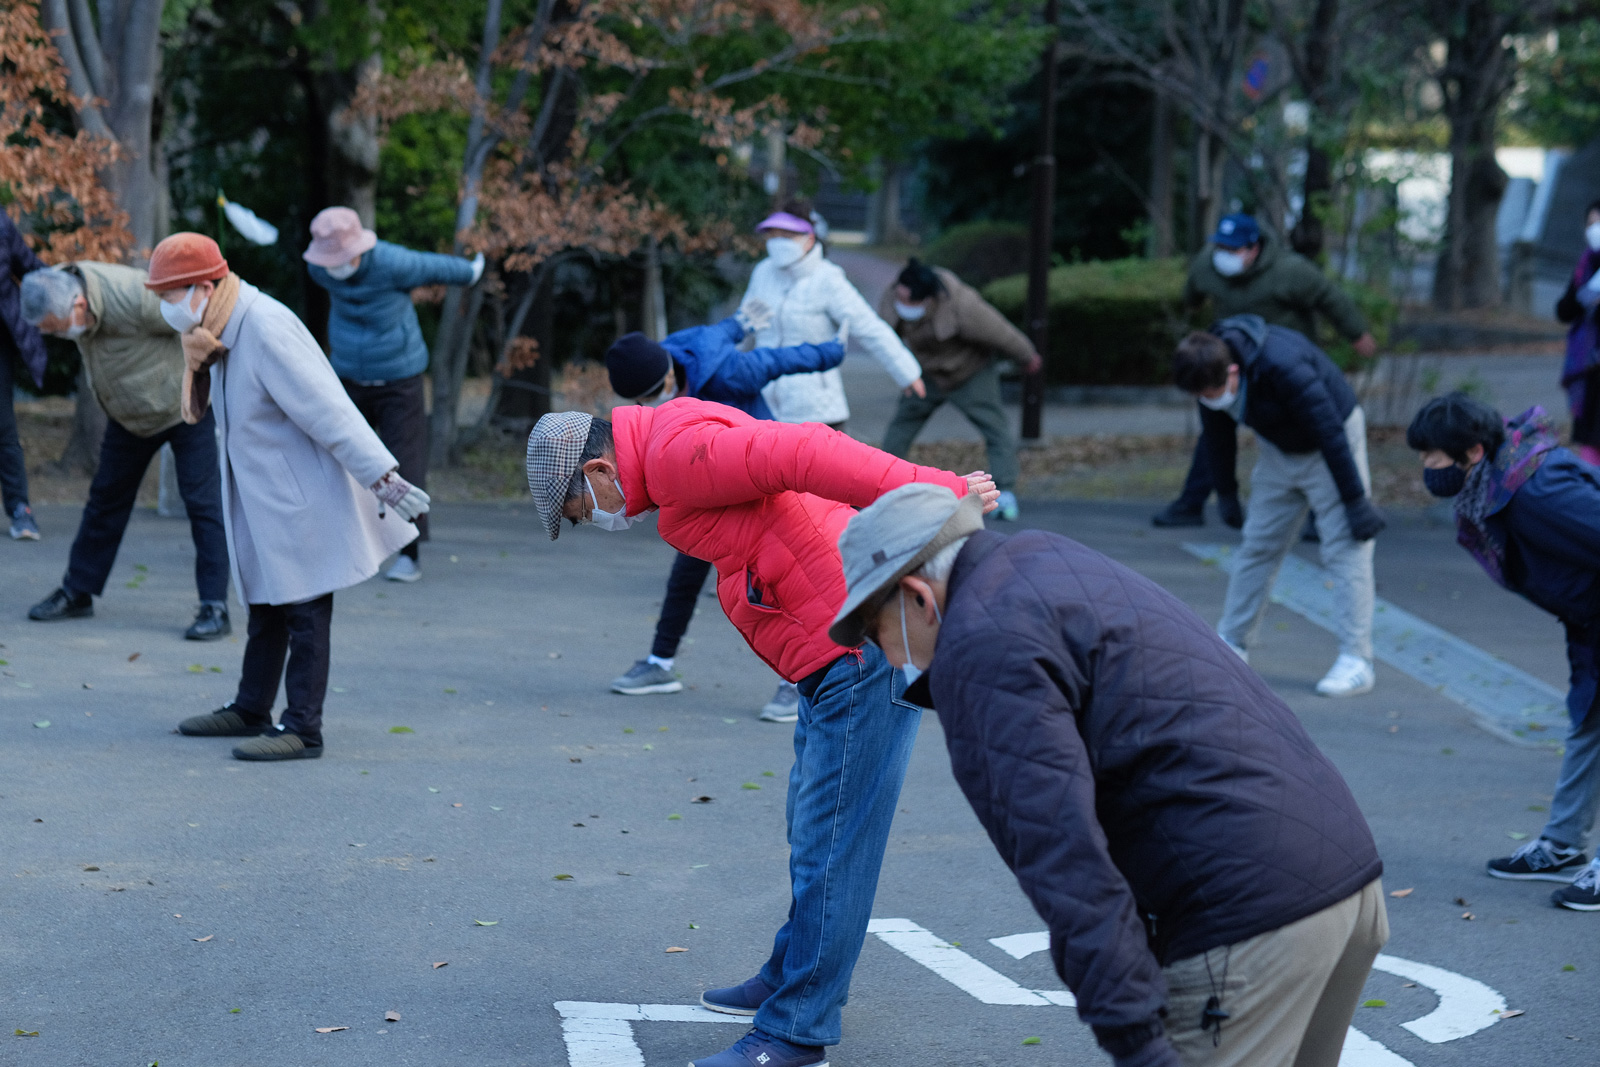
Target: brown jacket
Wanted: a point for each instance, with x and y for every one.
(134, 358)
(959, 334)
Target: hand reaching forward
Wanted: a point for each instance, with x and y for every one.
(753, 315)
(982, 483)
(407, 500)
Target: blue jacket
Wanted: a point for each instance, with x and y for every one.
(17, 259)
(1551, 530)
(1294, 396)
(373, 333)
(715, 369)
(1152, 795)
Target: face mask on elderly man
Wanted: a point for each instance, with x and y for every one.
(911, 670)
(610, 521)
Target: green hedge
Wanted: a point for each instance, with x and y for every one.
(1112, 322)
(980, 252)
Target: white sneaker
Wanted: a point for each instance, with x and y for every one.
(405, 569)
(1349, 676)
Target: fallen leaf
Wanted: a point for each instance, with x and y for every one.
(1569, 967)
(1401, 893)
(449, 690)
(26, 1033)
(627, 729)
(694, 926)
(195, 668)
(555, 655)
(1516, 835)
(208, 937)
(493, 808)
(697, 866)
(215, 670)
(661, 729)
(701, 800)
(670, 818)
(574, 759)
(1408, 985)
(86, 685)
(41, 724)
(455, 805)
(135, 656)
(768, 774)
(331, 1029)
(340, 689)
(749, 785)
(1512, 1014)
(1031, 1041)
(649, 748)
(91, 868)
(1374, 1003)
(485, 922)
(1468, 915)
(675, 948)
(391, 1016)
(562, 878)
(730, 720)
(625, 874)
(1461, 902)
(441, 963)
(234, 1011)
(401, 730)
(431, 789)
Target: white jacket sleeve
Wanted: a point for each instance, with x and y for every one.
(845, 304)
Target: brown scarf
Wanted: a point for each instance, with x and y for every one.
(201, 348)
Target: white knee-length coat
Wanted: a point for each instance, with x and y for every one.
(297, 458)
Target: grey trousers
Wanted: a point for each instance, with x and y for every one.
(1282, 487)
(978, 398)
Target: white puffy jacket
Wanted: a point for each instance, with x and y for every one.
(809, 301)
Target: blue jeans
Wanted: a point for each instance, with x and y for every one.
(124, 457)
(1577, 793)
(851, 748)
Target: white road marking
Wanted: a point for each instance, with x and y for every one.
(1503, 699)
(601, 1035)
(959, 969)
(1466, 1005)
(1021, 946)
(1362, 1051)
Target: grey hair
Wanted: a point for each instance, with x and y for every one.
(939, 566)
(49, 294)
(599, 444)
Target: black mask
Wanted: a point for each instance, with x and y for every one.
(1444, 481)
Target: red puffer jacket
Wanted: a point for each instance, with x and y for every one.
(765, 502)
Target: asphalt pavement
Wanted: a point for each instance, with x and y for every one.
(484, 803)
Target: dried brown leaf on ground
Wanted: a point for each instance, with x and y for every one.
(676, 948)
(441, 963)
(391, 1016)
(331, 1029)
(208, 937)
(1401, 893)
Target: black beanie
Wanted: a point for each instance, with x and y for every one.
(920, 280)
(636, 365)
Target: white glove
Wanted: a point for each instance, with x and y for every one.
(754, 315)
(407, 500)
(477, 272)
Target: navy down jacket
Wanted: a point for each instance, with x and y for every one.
(1151, 794)
(1294, 396)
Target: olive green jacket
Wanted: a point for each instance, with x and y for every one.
(958, 336)
(1281, 286)
(134, 359)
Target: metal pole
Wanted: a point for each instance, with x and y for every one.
(1044, 190)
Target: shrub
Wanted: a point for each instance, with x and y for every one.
(1112, 322)
(980, 252)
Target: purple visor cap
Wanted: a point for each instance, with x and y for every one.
(782, 220)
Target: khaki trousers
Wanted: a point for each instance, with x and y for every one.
(1289, 993)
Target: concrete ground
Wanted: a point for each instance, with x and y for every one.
(160, 902)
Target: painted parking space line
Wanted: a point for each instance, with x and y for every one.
(1021, 946)
(1362, 1051)
(1466, 1005)
(1505, 700)
(959, 969)
(601, 1034)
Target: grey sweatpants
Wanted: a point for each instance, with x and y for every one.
(1282, 487)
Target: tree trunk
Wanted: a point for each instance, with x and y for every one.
(1478, 73)
(1315, 68)
(1158, 244)
(653, 304)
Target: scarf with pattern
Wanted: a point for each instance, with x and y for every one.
(1493, 481)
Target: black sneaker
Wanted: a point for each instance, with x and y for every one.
(277, 745)
(226, 721)
(1540, 860)
(62, 605)
(1583, 894)
(211, 624)
(1175, 514)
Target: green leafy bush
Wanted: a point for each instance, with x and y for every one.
(1112, 322)
(980, 252)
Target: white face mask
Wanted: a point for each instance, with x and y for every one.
(610, 521)
(343, 270)
(1220, 403)
(785, 251)
(909, 312)
(911, 670)
(1228, 264)
(180, 316)
(1591, 234)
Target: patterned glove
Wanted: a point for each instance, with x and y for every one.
(407, 500)
(753, 315)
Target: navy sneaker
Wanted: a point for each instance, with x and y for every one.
(1540, 860)
(756, 1049)
(1582, 895)
(742, 999)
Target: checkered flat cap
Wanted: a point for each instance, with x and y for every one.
(554, 446)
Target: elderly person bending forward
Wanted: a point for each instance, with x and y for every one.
(305, 484)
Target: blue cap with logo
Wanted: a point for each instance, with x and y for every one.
(1236, 231)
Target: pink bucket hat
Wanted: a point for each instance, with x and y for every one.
(337, 237)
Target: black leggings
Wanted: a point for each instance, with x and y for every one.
(298, 633)
(683, 589)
